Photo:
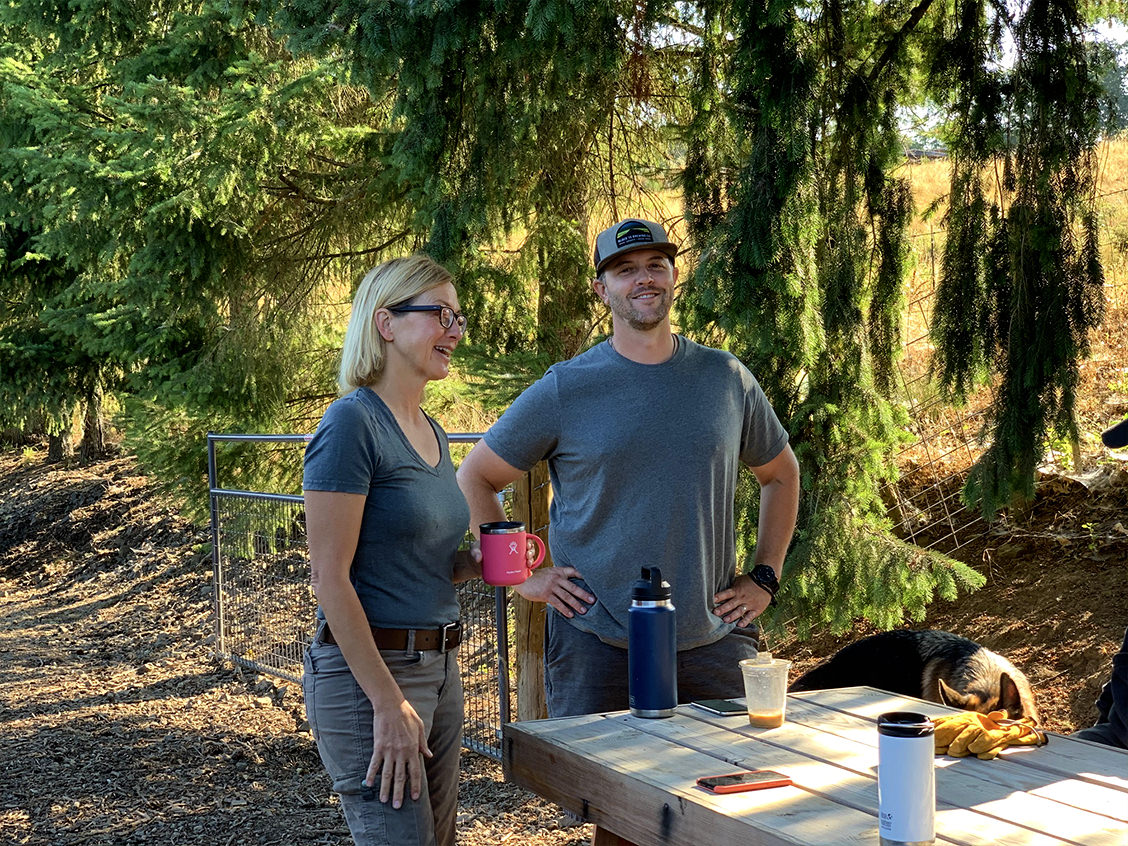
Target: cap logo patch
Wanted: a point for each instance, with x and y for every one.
(633, 232)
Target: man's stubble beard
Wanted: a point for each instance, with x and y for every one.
(623, 308)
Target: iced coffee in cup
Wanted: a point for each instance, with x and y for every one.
(765, 689)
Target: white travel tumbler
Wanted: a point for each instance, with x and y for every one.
(906, 779)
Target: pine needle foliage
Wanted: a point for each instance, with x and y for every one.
(803, 255)
(494, 113)
(965, 298)
(1020, 287)
(175, 168)
(189, 192)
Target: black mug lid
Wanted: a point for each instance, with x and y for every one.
(904, 724)
(502, 527)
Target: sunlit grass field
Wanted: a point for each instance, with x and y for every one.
(930, 182)
(455, 406)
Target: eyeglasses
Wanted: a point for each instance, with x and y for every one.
(447, 315)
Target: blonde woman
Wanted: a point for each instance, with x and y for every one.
(385, 518)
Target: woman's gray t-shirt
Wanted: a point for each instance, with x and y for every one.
(644, 461)
(415, 516)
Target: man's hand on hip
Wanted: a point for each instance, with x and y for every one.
(553, 586)
(742, 603)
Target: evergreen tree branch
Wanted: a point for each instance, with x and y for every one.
(365, 252)
(896, 43)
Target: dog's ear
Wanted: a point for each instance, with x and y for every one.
(953, 698)
(1010, 699)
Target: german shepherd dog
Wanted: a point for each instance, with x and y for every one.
(933, 665)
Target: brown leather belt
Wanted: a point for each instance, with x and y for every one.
(443, 640)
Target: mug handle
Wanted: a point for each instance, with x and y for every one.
(540, 545)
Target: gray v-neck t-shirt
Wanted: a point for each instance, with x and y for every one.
(415, 516)
(644, 460)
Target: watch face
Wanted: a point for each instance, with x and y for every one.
(765, 576)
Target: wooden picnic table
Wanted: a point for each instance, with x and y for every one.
(635, 779)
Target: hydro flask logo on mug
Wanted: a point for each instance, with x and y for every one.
(503, 553)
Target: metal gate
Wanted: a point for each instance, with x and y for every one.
(264, 604)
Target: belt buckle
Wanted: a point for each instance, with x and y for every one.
(457, 625)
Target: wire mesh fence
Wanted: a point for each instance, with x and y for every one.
(265, 607)
(264, 602)
(925, 503)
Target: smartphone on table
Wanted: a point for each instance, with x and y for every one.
(737, 782)
(724, 707)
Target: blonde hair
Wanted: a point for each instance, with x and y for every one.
(391, 283)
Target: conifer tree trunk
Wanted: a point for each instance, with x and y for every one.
(563, 305)
(93, 427)
(564, 298)
(59, 447)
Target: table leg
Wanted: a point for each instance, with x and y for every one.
(603, 837)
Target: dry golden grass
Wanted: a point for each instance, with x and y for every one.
(1101, 398)
(930, 183)
(1112, 203)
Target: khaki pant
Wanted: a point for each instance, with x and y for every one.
(340, 717)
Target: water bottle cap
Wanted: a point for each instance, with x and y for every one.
(651, 588)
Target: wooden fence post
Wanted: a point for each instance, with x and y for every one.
(531, 497)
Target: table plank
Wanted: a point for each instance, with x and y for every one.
(1065, 807)
(642, 788)
(1064, 756)
(1043, 771)
(635, 777)
(844, 771)
(729, 751)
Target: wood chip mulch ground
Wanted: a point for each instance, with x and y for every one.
(117, 725)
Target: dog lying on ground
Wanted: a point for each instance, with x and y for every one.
(933, 665)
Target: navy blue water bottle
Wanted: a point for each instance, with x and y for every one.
(652, 648)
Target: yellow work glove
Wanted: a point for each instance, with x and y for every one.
(950, 727)
(984, 735)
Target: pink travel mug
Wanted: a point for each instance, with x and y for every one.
(503, 553)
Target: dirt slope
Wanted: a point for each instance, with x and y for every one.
(1056, 598)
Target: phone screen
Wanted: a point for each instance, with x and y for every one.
(753, 780)
(723, 707)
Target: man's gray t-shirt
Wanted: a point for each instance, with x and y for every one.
(415, 515)
(644, 460)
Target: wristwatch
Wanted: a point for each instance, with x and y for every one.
(765, 577)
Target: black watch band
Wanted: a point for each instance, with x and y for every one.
(765, 577)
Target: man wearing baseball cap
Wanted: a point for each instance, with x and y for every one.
(644, 435)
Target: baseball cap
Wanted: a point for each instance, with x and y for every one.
(631, 234)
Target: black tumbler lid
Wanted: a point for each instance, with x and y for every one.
(651, 588)
(904, 724)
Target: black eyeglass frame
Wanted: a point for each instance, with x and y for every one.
(440, 312)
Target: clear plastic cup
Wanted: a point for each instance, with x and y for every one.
(765, 689)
